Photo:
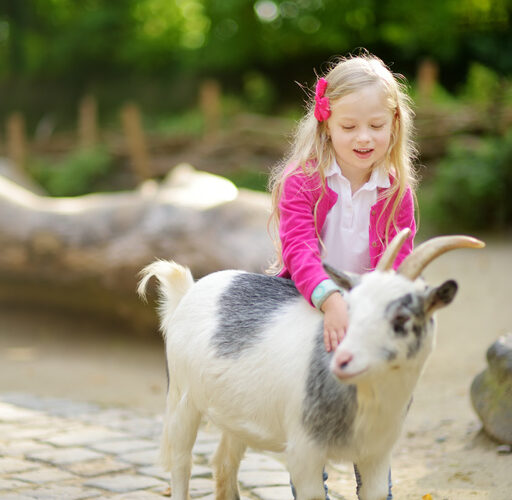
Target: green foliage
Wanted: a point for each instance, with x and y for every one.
(77, 174)
(249, 178)
(440, 97)
(259, 92)
(483, 85)
(190, 123)
(471, 188)
(91, 39)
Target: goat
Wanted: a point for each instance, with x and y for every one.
(246, 351)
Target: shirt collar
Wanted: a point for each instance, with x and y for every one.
(378, 178)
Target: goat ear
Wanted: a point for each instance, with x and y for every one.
(344, 279)
(440, 296)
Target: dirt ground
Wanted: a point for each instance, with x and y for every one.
(442, 451)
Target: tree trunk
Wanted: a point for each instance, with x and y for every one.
(85, 253)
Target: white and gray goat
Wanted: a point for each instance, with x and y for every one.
(246, 351)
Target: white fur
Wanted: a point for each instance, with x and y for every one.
(257, 400)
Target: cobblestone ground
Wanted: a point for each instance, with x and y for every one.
(62, 449)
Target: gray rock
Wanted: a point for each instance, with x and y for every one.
(491, 391)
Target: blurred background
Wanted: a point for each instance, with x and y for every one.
(102, 103)
(99, 96)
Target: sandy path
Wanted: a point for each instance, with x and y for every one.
(442, 451)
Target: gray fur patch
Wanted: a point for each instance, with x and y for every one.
(389, 354)
(246, 307)
(329, 407)
(408, 320)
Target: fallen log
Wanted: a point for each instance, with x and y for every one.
(83, 254)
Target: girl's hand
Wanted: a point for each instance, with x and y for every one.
(335, 320)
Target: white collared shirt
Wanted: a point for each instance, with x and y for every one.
(345, 232)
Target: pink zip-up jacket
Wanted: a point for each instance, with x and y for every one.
(300, 245)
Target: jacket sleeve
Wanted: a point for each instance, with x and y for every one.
(404, 219)
(300, 245)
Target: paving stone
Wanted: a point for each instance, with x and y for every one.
(147, 457)
(124, 483)
(52, 406)
(251, 479)
(10, 465)
(100, 467)
(108, 453)
(155, 471)
(163, 489)
(138, 495)
(123, 446)
(6, 495)
(273, 493)
(11, 413)
(85, 436)
(10, 484)
(21, 448)
(26, 400)
(200, 471)
(6, 429)
(115, 418)
(58, 492)
(69, 409)
(32, 431)
(200, 487)
(205, 447)
(65, 456)
(142, 428)
(44, 475)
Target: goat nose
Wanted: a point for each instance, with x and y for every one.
(343, 358)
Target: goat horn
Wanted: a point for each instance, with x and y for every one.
(425, 253)
(389, 255)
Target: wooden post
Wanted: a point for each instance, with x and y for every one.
(209, 102)
(135, 140)
(16, 139)
(87, 122)
(426, 79)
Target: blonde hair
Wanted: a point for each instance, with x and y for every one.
(311, 149)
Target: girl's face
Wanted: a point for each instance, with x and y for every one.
(360, 130)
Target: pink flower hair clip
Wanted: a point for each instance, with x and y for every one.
(322, 107)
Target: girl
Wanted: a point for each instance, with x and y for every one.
(346, 187)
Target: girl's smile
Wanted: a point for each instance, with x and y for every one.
(363, 153)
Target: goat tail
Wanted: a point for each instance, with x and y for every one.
(174, 282)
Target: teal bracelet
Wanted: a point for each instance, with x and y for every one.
(322, 291)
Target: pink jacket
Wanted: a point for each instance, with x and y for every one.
(300, 245)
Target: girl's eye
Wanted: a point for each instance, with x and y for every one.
(377, 127)
(347, 127)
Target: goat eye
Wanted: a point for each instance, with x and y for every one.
(399, 322)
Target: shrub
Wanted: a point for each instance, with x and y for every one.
(77, 174)
(472, 187)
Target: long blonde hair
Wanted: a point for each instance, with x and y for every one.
(311, 150)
